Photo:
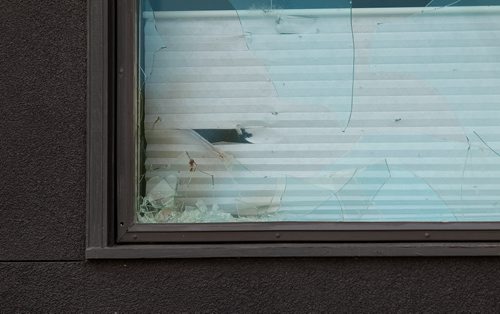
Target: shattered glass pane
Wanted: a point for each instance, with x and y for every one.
(319, 110)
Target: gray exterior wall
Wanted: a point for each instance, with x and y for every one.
(42, 221)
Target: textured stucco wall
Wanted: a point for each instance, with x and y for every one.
(42, 201)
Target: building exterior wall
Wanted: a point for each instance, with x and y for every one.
(42, 201)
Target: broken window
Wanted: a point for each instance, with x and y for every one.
(269, 110)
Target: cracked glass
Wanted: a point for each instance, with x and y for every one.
(341, 111)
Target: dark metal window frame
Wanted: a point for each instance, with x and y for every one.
(112, 232)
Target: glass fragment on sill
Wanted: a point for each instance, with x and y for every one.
(313, 111)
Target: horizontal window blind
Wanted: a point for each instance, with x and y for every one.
(384, 114)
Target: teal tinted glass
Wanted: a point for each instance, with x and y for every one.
(319, 110)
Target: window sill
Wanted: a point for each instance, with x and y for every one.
(294, 250)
